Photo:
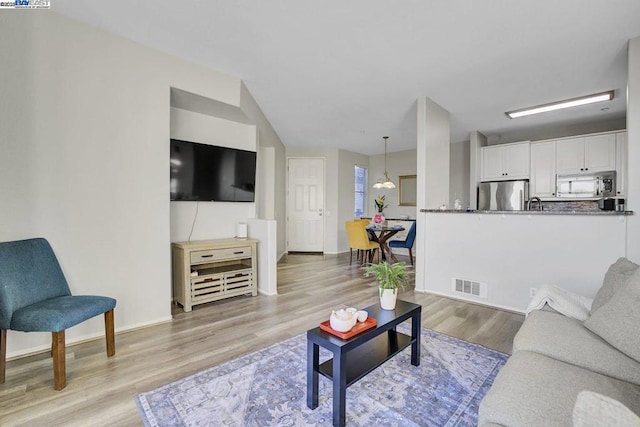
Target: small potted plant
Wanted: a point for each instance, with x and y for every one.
(390, 277)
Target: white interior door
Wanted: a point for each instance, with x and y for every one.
(306, 205)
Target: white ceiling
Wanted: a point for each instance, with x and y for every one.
(343, 73)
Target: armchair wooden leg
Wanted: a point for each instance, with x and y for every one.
(410, 256)
(350, 255)
(109, 333)
(3, 354)
(59, 370)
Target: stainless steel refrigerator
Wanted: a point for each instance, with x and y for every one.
(503, 195)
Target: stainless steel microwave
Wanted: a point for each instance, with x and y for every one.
(601, 184)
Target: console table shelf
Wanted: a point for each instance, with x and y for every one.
(210, 270)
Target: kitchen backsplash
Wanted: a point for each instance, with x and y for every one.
(578, 205)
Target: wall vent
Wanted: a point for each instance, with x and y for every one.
(469, 287)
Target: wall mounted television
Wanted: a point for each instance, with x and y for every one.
(209, 173)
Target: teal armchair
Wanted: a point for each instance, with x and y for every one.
(35, 297)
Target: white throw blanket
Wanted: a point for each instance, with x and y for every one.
(561, 300)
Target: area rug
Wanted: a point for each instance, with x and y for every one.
(268, 388)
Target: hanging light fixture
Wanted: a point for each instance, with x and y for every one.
(386, 182)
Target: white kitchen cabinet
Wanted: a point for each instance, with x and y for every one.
(570, 156)
(543, 169)
(621, 163)
(600, 152)
(505, 162)
(589, 154)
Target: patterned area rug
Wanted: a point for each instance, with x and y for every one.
(268, 388)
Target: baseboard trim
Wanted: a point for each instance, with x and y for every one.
(472, 301)
(85, 338)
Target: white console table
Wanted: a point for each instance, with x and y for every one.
(210, 270)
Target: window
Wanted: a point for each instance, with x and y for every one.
(360, 191)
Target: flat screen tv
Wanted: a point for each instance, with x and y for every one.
(209, 173)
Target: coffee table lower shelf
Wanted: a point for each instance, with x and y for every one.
(355, 357)
(368, 356)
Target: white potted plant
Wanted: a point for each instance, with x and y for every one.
(390, 278)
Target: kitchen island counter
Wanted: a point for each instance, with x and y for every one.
(548, 212)
(511, 254)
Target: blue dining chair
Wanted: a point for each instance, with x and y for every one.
(407, 243)
(35, 297)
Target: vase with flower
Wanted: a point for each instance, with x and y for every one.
(378, 218)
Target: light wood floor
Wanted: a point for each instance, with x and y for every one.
(100, 391)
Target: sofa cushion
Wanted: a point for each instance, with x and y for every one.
(617, 275)
(617, 321)
(566, 339)
(532, 389)
(595, 410)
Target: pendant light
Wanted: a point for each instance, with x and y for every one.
(386, 182)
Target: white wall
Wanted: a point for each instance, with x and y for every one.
(398, 163)
(214, 220)
(557, 131)
(512, 253)
(347, 161)
(266, 183)
(476, 140)
(633, 153)
(404, 163)
(459, 174)
(433, 147)
(267, 137)
(85, 124)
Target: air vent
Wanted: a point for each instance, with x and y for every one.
(469, 287)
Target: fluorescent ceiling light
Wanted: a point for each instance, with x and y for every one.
(589, 99)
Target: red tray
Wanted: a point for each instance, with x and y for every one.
(358, 328)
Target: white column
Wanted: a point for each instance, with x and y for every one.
(633, 139)
(433, 173)
(433, 154)
(265, 231)
(476, 140)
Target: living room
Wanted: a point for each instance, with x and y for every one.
(86, 120)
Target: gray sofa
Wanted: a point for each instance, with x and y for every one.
(556, 357)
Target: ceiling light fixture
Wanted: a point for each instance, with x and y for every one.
(574, 102)
(386, 183)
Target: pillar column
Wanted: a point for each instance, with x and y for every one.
(633, 154)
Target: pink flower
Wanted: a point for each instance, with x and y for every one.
(378, 219)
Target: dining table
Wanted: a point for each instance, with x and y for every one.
(382, 233)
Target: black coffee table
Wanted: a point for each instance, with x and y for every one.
(355, 357)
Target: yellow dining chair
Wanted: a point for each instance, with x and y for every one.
(359, 239)
(364, 222)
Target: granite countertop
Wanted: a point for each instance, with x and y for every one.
(392, 219)
(549, 212)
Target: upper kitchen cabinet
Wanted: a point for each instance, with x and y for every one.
(543, 169)
(587, 154)
(505, 162)
(621, 163)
